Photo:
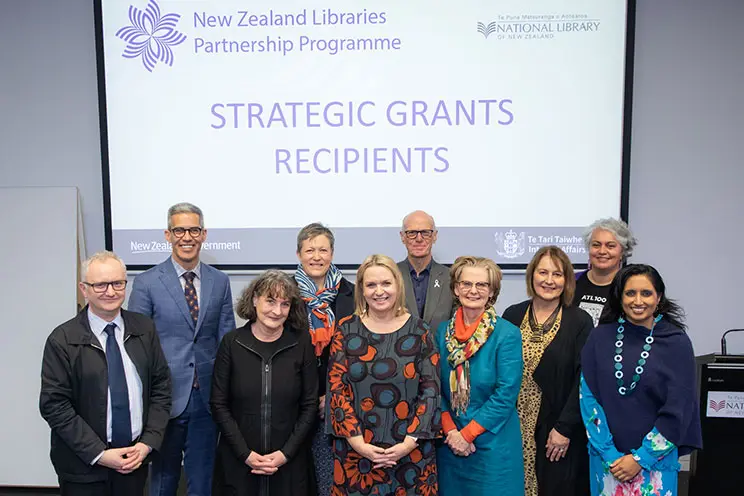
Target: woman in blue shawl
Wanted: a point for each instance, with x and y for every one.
(638, 397)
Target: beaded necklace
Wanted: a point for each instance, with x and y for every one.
(641, 361)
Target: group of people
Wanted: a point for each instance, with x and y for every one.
(406, 382)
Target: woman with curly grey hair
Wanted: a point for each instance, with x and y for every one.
(609, 243)
(265, 394)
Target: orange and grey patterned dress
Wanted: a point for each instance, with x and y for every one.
(534, 342)
(384, 387)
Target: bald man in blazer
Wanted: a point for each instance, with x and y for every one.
(426, 282)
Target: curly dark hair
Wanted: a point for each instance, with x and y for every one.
(614, 307)
(276, 284)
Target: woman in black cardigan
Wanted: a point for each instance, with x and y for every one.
(553, 334)
(265, 394)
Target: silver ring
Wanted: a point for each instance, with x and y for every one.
(561, 449)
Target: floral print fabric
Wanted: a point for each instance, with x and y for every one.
(657, 456)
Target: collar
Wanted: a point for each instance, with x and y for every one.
(289, 336)
(97, 324)
(180, 271)
(426, 269)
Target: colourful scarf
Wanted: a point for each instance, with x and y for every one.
(460, 353)
(320, 316)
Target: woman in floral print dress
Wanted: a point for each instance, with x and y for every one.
(637, 391)
(383, 392)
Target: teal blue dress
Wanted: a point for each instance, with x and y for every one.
(495, 379)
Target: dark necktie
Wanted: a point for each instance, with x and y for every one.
(121, 424)
(189, 290)
(192, 301)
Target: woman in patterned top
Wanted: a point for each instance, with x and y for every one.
(383, 390)
(638, 397)
(553, 334)
(481, 372)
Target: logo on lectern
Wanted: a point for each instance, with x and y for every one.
(725, 404)
(717, 407)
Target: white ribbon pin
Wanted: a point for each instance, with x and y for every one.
(436, 283)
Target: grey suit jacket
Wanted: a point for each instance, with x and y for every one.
(438, 305)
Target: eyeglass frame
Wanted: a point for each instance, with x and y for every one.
(415, 232)
(105, 285)
(199, 231)
(468, 285)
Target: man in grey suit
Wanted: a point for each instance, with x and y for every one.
(191, 304)
(427, 283)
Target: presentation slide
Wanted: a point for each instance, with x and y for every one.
(504, 120)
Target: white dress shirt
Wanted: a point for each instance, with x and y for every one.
(134, 382)
(180, 271)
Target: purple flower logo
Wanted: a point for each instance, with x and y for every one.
(151, 35)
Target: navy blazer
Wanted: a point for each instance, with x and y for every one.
(158, 294)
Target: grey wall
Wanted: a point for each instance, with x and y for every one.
(685, 201)
(687, 175)
(49, 102)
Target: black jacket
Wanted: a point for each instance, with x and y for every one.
(74, 392)
(264, 405)
(343, 306)
(558, 374)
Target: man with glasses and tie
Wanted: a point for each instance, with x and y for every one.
(191, 304)
(105, 389)
(426, 282)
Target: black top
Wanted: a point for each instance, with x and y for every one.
(265, 348)
(342, 306)
(264, 405)
(559, 369)
(558, 375)
(590, 297)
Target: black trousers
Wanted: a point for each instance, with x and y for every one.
(132, 484)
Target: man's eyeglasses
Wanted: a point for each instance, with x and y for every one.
(481, 287)
(180, 232)
(102, 287)
(425, 233)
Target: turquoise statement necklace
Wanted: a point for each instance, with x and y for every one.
(641, 361)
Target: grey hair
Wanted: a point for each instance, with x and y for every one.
(618, 228)
(185, 208)
(100, 256)
(314, 230)
(405, 219)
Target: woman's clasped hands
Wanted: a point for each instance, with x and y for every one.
(265, 464)
(383, 457)
(458, 444)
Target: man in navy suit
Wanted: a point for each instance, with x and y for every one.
(191, 304)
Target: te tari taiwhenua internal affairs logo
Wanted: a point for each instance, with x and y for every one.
(151, 35)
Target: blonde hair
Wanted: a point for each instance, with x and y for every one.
(559, 258)
(360, 302)
(493, 271)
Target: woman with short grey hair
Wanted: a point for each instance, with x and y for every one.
(609, 243)
(329, 298)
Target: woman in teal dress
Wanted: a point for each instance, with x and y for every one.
(481, 373)
(637, 391)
